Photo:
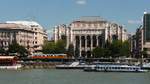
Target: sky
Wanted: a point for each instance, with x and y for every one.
(49, 13)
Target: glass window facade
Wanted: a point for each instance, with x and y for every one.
(146, 25)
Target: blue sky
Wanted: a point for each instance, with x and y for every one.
(53, 12)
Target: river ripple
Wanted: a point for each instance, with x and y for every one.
(53, 76)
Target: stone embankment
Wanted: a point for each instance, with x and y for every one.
(40, 65)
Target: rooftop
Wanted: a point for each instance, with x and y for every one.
(11, 25)
(91, 19)
(27, 23)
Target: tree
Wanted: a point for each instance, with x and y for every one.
(23, 51)
(125, 49)
(16, 48)
(144, 53)
(119, 48)
(115, 48)
(54, 48)
(60, 46)
(49, 47)
(2, 51)
(101, 52)
(70, 50)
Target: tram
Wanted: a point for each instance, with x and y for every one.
(48, 56)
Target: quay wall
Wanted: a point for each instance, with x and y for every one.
(46, 65)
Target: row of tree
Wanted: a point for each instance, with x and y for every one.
(58, 47)
(52, 47)
(13, 49)
(115, 49)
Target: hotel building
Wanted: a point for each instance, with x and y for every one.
(10, 32)
(39, 35)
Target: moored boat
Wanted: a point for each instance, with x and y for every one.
(9, 62)
(113, 67)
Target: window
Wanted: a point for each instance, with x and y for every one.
(35, 33)
(20, 41)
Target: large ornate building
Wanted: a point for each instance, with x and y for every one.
(86, 33)
(39, 35)
(26, 33)
(10, 32)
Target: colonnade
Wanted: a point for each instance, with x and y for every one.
(84, 44)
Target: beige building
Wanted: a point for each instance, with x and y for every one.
(10, 32)
(86, 33)
(40, 34)
(60, 32)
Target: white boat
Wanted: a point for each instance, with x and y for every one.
(146, 66)
(112, 67)
(9, 62)
(12, 67)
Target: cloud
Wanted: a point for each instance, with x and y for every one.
(81, 2)
(134, 21)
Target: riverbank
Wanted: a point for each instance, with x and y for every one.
(40, 65)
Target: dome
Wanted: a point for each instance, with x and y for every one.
(27, 23)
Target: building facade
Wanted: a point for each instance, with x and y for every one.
(137, 44)
(10, 32)
(60, 32)
(86, 33)
(146, 34)
(141, 39)
(39, 35)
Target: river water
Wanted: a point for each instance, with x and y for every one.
(53, 76)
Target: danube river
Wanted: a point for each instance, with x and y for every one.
(53, 76)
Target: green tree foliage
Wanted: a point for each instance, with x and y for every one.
(119, 48)
(55, 48)
(49, 47)
(70, 51)
(60, 46)
(2, 51)
(16, 48)
(115, 49)
(77, 51)
(125, 49)
(144, 53)
(100, 52)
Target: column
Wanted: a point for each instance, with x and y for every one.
(86, 46)
(91, 38)
(80, 46)
(97, 41)
(74, 43)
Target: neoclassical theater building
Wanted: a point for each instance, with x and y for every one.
(86, 33)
